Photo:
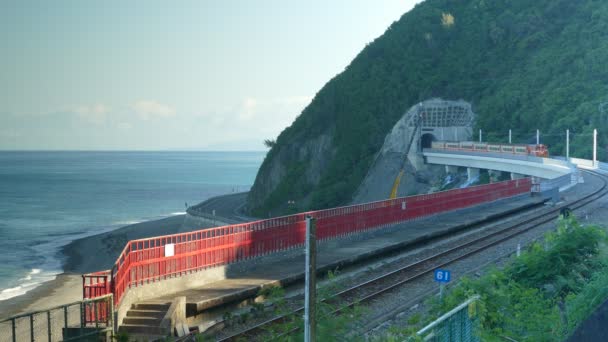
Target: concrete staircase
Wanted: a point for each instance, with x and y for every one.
(144, 319)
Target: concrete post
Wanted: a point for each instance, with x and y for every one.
(472, 173)
(451, 169)
(480, 135)
(455, 134)
(594, 147)
(510, 136)
(516, 176)
(310, 289)
(568, 144)
(442, 138)
(537, 137)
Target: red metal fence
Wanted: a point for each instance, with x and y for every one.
(145, 260)
(95, 285)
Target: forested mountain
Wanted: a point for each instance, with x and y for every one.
(522, 64)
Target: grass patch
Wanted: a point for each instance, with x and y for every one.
(543, 295)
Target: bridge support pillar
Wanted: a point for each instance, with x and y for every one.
(451, 169)
(517, 175)
(472, 173)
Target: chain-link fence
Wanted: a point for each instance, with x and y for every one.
(85, 320)
(458, 325)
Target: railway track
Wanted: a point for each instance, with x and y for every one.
(369, 291)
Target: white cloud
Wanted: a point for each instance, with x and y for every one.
(150, 109)
(280, 110)
(250, 120)
(248, 109)
(95, 114)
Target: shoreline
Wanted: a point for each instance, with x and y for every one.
(97, 253)
(89, 254)
(64, 289)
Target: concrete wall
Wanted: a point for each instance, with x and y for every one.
(166, 287)
(583, 162)
(453, 133)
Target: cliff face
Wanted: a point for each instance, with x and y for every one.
(522, 64)
(275, 178)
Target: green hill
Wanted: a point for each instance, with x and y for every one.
(522, 64)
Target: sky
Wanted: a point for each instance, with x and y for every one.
(161, 75)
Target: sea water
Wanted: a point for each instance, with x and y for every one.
(48, 199)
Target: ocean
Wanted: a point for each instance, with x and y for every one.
(48, 199)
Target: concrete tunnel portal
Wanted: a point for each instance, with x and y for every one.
(431, 120)
(426, 140)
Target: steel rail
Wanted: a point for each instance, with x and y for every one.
(352, 295)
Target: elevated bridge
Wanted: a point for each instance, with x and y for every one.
(517, 165)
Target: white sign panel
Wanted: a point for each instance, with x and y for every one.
(169, 249)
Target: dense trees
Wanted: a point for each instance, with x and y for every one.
(523, 64)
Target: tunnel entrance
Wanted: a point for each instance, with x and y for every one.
(426, 140)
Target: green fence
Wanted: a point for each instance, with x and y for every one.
(62, 323)
(458, 325)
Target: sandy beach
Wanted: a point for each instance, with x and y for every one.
(90, 254)
(64, 289)
(99, 252)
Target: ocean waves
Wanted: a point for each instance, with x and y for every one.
(52, 198)
(31, 280)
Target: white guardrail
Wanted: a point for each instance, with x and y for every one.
(563, 182)
(575, 177)
(588, 164)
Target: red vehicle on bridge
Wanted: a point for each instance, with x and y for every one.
(539, 150)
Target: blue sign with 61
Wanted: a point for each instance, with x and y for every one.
(442, 276)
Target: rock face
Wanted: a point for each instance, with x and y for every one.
(312, 156)
(418, 177)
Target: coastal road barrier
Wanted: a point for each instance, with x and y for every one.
(151, 260)
(76, 321)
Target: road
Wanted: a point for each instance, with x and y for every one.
(229, 206)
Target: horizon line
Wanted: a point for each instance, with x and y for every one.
(125, 150)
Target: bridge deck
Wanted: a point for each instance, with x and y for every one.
(521, 164)
(245, 279)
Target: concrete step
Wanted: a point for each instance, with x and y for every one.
(146, 313)
(151, 306)
(147, 338)
(150, 321)
(143, 329)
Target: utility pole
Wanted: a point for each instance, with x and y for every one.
(537, 137)
(310, 289)
(567, 144)
(594, 147)
(510, 136)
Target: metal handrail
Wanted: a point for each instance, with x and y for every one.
(88, 300)
(446, 315)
